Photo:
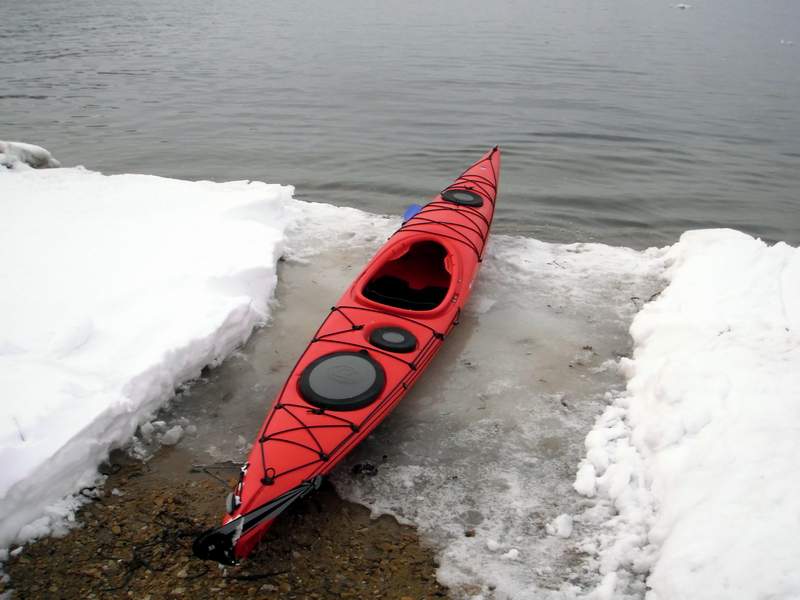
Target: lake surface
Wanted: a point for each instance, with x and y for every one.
(624, 121)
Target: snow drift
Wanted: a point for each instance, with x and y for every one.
(115, 290)
(697, 460)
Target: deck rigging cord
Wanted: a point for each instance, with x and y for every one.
(477, 225)
(368, 372)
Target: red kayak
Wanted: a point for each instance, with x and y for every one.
(369, 351)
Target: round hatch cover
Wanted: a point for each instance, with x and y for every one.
(342, 381)
(462, 197)
(393, 339)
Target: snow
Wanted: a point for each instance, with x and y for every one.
(561, 526)
(512, 554)
(146, 430)
(116, 289)
(172, 436)
(696, 463)
(585, 480)
(18, 156)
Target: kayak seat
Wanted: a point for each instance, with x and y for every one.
(417, 279)
(393, 291)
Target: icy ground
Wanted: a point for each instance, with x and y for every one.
(482, 455)
(116, 290)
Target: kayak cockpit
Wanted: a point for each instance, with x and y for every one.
(416, 276)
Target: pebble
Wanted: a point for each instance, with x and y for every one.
(372, 553)
(172, 436)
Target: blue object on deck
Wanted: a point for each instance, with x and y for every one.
(411, 211)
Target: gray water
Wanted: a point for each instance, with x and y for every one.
(621, 121)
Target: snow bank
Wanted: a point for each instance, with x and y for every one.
(20, 157)
(115, 290)
(697, 462)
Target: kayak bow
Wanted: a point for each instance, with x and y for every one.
(371, 348)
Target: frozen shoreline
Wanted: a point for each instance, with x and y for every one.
(123, 287)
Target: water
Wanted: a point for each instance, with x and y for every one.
(623, 121)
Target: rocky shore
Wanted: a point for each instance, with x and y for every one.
(135, 535)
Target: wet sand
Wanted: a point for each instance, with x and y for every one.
(138, 544)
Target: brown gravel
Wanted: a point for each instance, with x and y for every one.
(138, 545)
